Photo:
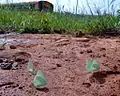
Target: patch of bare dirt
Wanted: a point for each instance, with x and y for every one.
(62, 59)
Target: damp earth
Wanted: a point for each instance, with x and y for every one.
(62, 60)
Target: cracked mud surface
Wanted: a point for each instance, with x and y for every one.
(62, 59)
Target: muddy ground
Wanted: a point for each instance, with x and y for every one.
(62, 60)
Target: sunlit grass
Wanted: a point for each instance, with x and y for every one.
(22, 20)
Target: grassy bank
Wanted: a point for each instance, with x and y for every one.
(40, 22)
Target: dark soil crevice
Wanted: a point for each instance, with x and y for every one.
(45, 89)
(7, 83)
(100, 76)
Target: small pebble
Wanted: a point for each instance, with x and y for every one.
(14, 66)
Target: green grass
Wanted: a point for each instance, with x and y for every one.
(41, 22)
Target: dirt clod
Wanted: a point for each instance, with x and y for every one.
(12, 47)
(89, 51)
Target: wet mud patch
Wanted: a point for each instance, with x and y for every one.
(14, 43)
(18, 40)
(7, 64)
(14, 62)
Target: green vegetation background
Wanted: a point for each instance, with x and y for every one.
(33, 21)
